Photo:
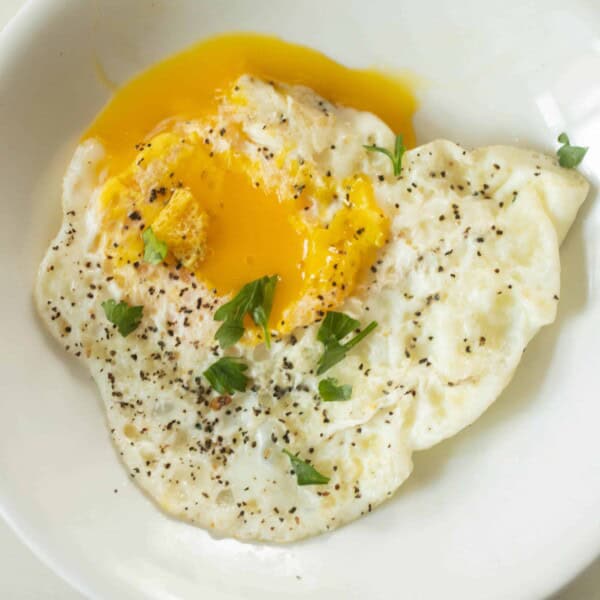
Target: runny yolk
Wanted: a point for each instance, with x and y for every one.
(250, 231)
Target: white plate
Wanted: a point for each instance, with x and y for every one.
(508, 509)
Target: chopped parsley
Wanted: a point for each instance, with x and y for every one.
(155, 250)
(330, 391)
(334, 328)
(569, 156)
(125, 317)
(255, 299)
(227, 375)
(395, 157)
(306, 474)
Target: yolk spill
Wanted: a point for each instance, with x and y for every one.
(187, 84)
(250, 231)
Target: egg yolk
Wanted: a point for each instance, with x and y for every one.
(210, 208)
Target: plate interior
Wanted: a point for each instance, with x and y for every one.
(506, 509)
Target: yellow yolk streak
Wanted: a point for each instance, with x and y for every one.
(251, 230)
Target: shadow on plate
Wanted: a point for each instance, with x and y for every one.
(585, 587)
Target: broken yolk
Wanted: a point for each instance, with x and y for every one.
(246, 230)
(250, 233)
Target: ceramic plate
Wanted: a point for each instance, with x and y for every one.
(507, 509)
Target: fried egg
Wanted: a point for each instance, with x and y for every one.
(456, 259)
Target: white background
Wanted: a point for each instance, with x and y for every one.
(24, 577)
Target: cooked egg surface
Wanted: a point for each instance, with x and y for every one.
(456, 259)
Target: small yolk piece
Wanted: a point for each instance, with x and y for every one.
(183, 225)
(339, 253)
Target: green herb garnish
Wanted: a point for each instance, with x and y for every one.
(334, 328)
(569, 156)
(255, 299)
(330, 391)
(305, 473)
(396, 157)
(154, 249)
(125, 317)
(227, 375)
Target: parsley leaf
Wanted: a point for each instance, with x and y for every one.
(396, 157)
(262, 309)
(125, 317)
(334, 328)
(230, 332)
(227, 375)
(255, 299)
(305, 473)
(330, 391)
(569, 156)
(332, 355)
(155, 250)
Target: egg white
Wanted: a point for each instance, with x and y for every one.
(470, 273)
